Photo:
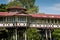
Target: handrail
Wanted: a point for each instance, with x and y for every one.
(43, 23)
(31, 22)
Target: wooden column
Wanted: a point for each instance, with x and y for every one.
(46, 34)
(50, 21)
(2, 39)
(57, 21)
(54, 21)
(46, 21)
(13, 37)
(16, 33)
(50, 34)
(25, 36)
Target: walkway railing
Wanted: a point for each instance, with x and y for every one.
(13, 24)
(45, 25)
(24, 24)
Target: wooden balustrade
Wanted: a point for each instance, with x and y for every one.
(44, 25)
(24, 24)
(13, 24)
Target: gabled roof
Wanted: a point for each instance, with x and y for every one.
(6, 14)
(45, 15)
(32, 15)
(12, 14)
(16, 7)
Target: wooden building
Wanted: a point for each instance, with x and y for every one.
(16, 20)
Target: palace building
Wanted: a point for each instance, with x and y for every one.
(15, 21)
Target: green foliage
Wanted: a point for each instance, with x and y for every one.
(28, 4)
(3, 7)
(11, 4)
(56, 34)
(32, 10)
(32, 33)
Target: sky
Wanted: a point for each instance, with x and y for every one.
(45, 6)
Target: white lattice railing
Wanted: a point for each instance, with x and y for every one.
(24, 24)
(44, 25)
(12, 24)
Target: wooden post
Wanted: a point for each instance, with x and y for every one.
(26, 28)
(16, 33)
(2, 39)
(46, 34)
(50, 34)
(25, 37)
(57, 21)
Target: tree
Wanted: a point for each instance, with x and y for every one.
(28, 4)
(33, 34)
(14, 3)
(32, 10)
(56, 34)
(3, 7)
